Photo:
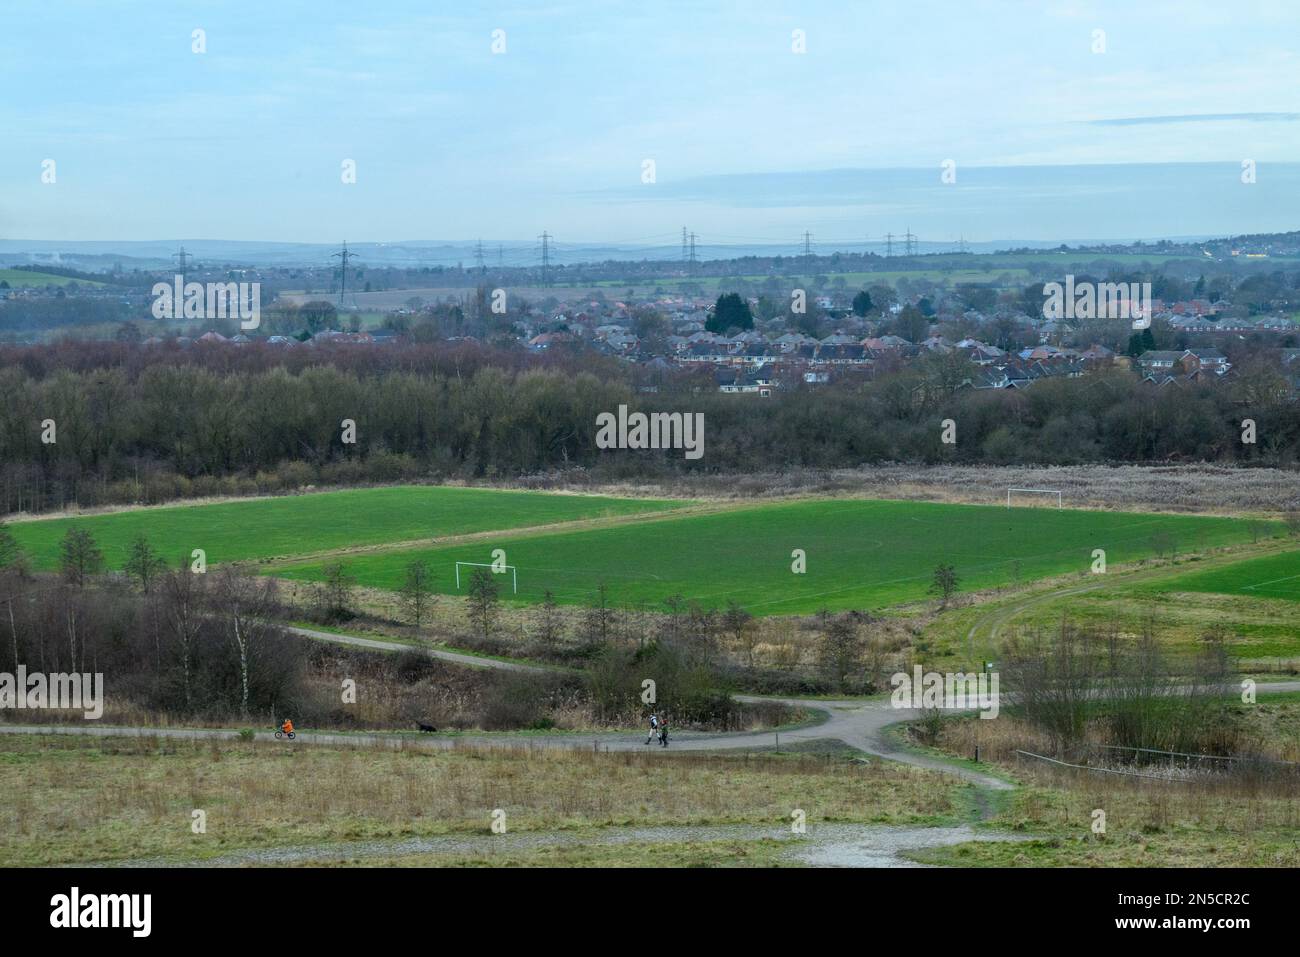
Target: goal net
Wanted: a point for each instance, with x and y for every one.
(1038, 494)
(498, 569)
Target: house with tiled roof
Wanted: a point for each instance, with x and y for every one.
(1158, 360)
(1206, 360)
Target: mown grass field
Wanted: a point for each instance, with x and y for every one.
(1261, 631)
(1271, 576)
(303, 524)
(860, 554)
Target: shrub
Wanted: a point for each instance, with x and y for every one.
(414, 665)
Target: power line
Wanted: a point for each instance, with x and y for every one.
(546, 257)
(478, 258)
(182, 259)
(344, 256)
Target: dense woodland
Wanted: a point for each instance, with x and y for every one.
(141, 424)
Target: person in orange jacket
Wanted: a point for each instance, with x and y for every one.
(287, 727)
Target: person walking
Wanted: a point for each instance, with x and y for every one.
(654, 727)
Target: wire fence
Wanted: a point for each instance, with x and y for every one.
(1086, 767)
(1179, 762)
(1242, 759)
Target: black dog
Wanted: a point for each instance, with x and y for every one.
(427, 728)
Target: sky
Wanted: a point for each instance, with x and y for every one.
(750, 139)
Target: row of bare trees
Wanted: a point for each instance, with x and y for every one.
(167, 639)
(1077, 683)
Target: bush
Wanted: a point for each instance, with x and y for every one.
(294, 475)
(414, 665)
(517, 701)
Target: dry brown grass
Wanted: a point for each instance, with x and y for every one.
(1199, 488)
(1189, 819)
(1193, 488)
(77, 799)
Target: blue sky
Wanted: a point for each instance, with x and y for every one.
(452, 141)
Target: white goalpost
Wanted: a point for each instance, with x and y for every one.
(514, 572)
(1036, 491)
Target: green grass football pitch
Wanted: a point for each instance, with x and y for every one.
(1272, 576)
(860, 554)
(303, 524)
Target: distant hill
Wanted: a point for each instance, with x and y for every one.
(20, 278)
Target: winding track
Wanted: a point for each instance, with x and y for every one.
(858, 723)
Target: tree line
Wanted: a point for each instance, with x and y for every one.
(172, 641)
(130, 427)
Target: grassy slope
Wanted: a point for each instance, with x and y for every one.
(302, 524)
(1272, 576)
(1262, 632)
(860, 553)
(21, 277)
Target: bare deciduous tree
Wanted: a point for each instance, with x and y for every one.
(741, 628)
(416, 595)
(245, 603)
(548, 620)
(143, 564)
(597, 621)
(335, 593)
(841, 647)
(483, 591)
(79, 557)
(184, 596)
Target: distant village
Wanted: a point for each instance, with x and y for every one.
(760, 362)
(1006, 344)
(757, 362)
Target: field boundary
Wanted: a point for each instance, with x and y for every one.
(1084, 767)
